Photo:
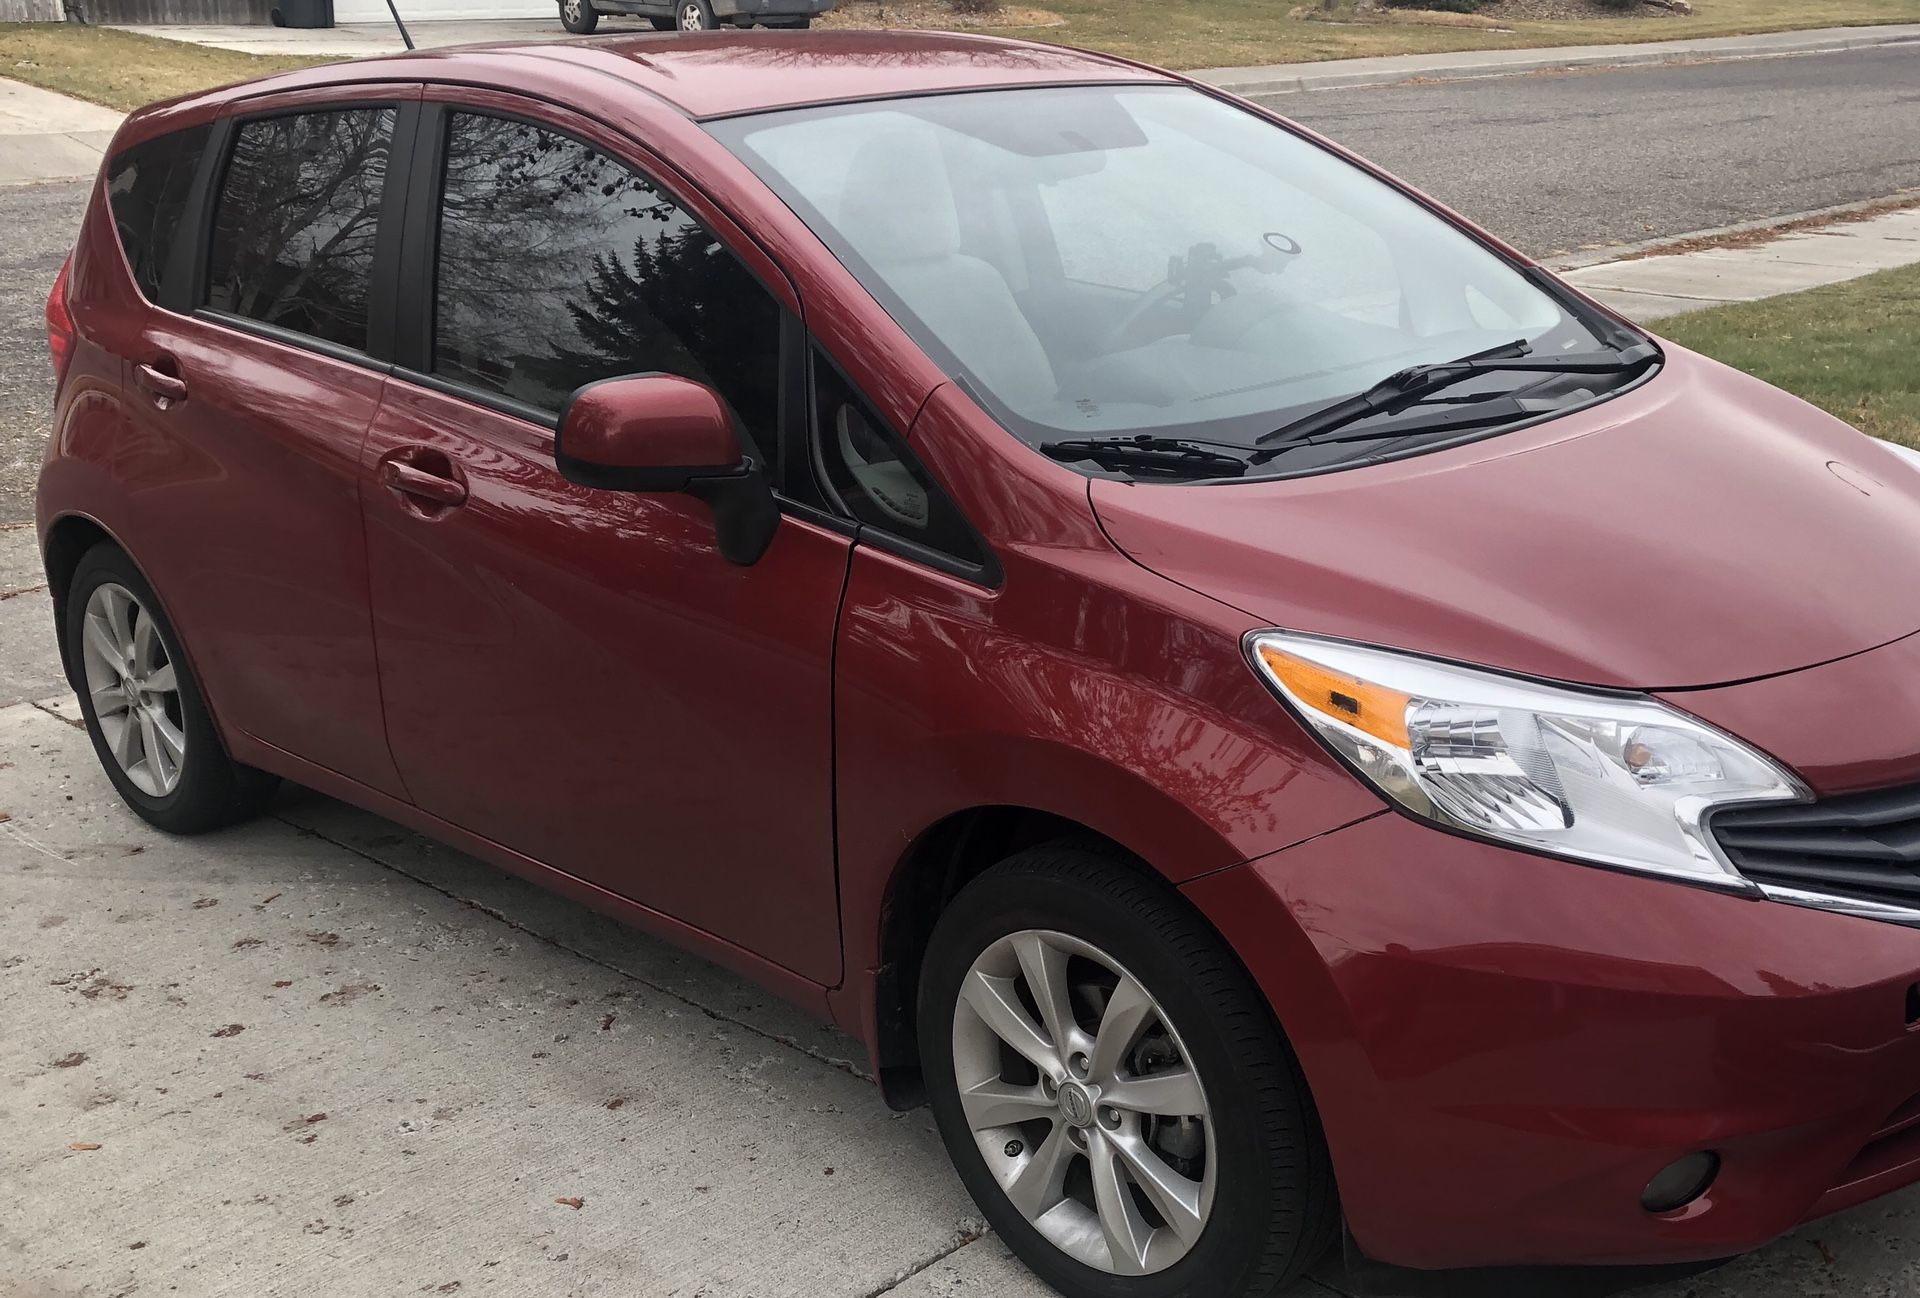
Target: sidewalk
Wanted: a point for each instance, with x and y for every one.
(1649, 288)
(44, 136)
(1338, 74)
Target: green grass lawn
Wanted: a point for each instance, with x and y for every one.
(1228, 33)
(1849, 348)
(122, 70)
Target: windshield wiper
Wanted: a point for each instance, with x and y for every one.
(1167, 455)
(1417, 381)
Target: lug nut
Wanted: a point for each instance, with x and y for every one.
(1015, 1149)
(1109, 1116)
(1077, 1065)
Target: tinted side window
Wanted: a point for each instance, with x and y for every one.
(559, 265)
(147, 188)
(873, 477)
(294, 229)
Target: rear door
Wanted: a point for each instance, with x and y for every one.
(580, 675)
(250, 388)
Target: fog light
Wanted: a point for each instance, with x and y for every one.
(1681, 1183)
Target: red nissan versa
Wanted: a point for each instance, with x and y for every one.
(1229, 680)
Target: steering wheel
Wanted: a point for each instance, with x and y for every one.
(1198, 279)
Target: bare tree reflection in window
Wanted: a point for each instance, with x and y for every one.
(559, 265)
(295, 226)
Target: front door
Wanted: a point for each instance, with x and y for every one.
(580, 675)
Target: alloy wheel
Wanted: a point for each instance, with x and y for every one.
(570, 10)
(1083, 1102)
(691, 19)
(134, 690)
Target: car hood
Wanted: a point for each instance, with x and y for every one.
(1703, 528)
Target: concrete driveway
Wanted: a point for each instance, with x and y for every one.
(320, 1055)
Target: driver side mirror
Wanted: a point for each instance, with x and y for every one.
(658, 433)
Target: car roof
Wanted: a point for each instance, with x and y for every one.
(716, 74)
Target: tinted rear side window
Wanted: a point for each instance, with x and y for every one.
(559, 265)
(295, 225)
(147, 187)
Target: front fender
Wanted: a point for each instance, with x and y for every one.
(1083, 687)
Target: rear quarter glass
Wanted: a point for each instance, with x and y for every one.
(147, 189)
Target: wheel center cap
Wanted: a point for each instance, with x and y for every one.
(1076, 1104)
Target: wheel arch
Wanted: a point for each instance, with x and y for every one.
(936, 865)
(68, 538)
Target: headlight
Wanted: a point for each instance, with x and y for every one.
(1613, 778)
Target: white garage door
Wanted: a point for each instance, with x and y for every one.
(375, 11)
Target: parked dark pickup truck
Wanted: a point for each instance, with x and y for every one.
(582, 16)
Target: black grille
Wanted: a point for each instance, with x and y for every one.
(1862, 845)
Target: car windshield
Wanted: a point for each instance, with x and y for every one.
(1098, 262)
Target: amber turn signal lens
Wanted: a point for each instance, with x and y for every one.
(1379, 712)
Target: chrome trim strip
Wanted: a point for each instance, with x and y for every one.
(1854, 906)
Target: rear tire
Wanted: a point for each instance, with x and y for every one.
(1250, 1204)
(579, 16)
(157, 740)
(694, 16)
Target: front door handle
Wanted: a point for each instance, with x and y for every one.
(411, 480)
(163, 387)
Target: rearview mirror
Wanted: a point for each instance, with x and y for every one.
(658, 433)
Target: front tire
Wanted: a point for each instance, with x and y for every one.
(144, 710)
(579, 16)
(1113, 1089)
(695, 16)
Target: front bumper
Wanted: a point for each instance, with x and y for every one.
(1506, 1048)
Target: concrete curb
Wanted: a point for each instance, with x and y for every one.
(1339, 74)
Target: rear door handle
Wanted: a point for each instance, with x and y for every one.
(410, 480)
(160, 385)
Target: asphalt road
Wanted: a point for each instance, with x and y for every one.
(1554, 162)
(1564, 161)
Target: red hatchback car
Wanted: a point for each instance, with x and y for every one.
(1228, 680)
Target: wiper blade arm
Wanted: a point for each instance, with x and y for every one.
(1419, 380)
(1499, 409)
(1166, 455)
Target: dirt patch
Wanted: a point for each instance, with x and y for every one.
(73, 1060)
(932, 15)
(1528, 11)
(321, 938)
(347, 993)
(1499, 16)
(231, 1030)
(93, 985)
